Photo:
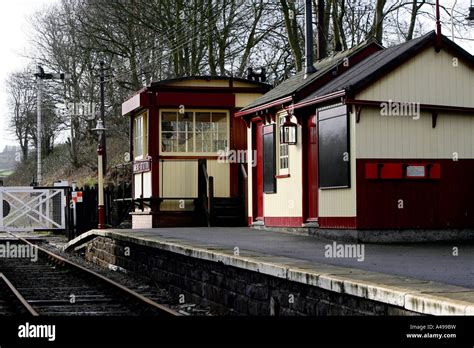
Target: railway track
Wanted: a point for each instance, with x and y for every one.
(54, 286)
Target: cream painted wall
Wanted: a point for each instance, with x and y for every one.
(431, 77)
(199, 83)
(342, 202)
(147, 185)
(221, 173)
(288, 199)
(244, 99)
(403, 137)
(179, 179)
(137, 181)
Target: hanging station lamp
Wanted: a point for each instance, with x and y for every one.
(288, 131)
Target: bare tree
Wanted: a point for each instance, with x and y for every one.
(22, 103)
(290, 11)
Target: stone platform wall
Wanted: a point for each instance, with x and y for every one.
(228, 289)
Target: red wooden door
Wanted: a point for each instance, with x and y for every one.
(311, 174)
(258, 172)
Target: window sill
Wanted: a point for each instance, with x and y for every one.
(184, 157)
(283, 176)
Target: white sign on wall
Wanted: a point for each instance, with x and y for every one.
(416, 171)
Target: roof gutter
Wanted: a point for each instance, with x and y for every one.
(319, 99)
(263, 106)
(424, 107)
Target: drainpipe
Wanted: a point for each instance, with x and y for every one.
(309, 69)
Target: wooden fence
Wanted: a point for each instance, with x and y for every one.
(117, 208)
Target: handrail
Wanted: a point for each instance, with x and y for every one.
(204, 170)
(208, 194)
(244, 171)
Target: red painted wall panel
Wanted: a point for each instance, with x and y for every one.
(435, 171)
(337, 222)
(189, 100)
(426, 203)
(283, 221)
(257, 174)
(310, 169)
(391, 171)
(371, 171)
(238, 141)
(153, 151)
(383, 170)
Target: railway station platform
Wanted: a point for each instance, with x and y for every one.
(264, 272)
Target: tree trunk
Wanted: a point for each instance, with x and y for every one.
(292, 32)
(321, 33)
(377, 28)
(335, 22)
(414, 13)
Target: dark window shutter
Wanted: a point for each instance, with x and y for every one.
(334, 161)
(269, 159)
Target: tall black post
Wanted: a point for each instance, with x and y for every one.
(438, 28)
(309, 69)
(321, 47)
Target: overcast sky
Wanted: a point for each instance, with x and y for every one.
(14, 42)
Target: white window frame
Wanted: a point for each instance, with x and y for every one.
(142, 138)
(194, 112)
(282, 170)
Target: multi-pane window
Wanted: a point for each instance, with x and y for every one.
(177, 130)
(283, 154)
(140, 135)
(194, 131)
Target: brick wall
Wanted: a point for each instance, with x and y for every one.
(227, 289)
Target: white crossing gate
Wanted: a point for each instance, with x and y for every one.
(29, 208)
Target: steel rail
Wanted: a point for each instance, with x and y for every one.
(19, 296)
(116, 285)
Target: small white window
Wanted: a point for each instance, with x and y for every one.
(140, 137)
(283, 154)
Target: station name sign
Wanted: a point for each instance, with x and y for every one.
(142, 166)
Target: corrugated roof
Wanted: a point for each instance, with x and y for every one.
(298, 82)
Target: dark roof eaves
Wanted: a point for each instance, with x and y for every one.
(208, 78)
(319, 73)
(391, 64)
(457, 49)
